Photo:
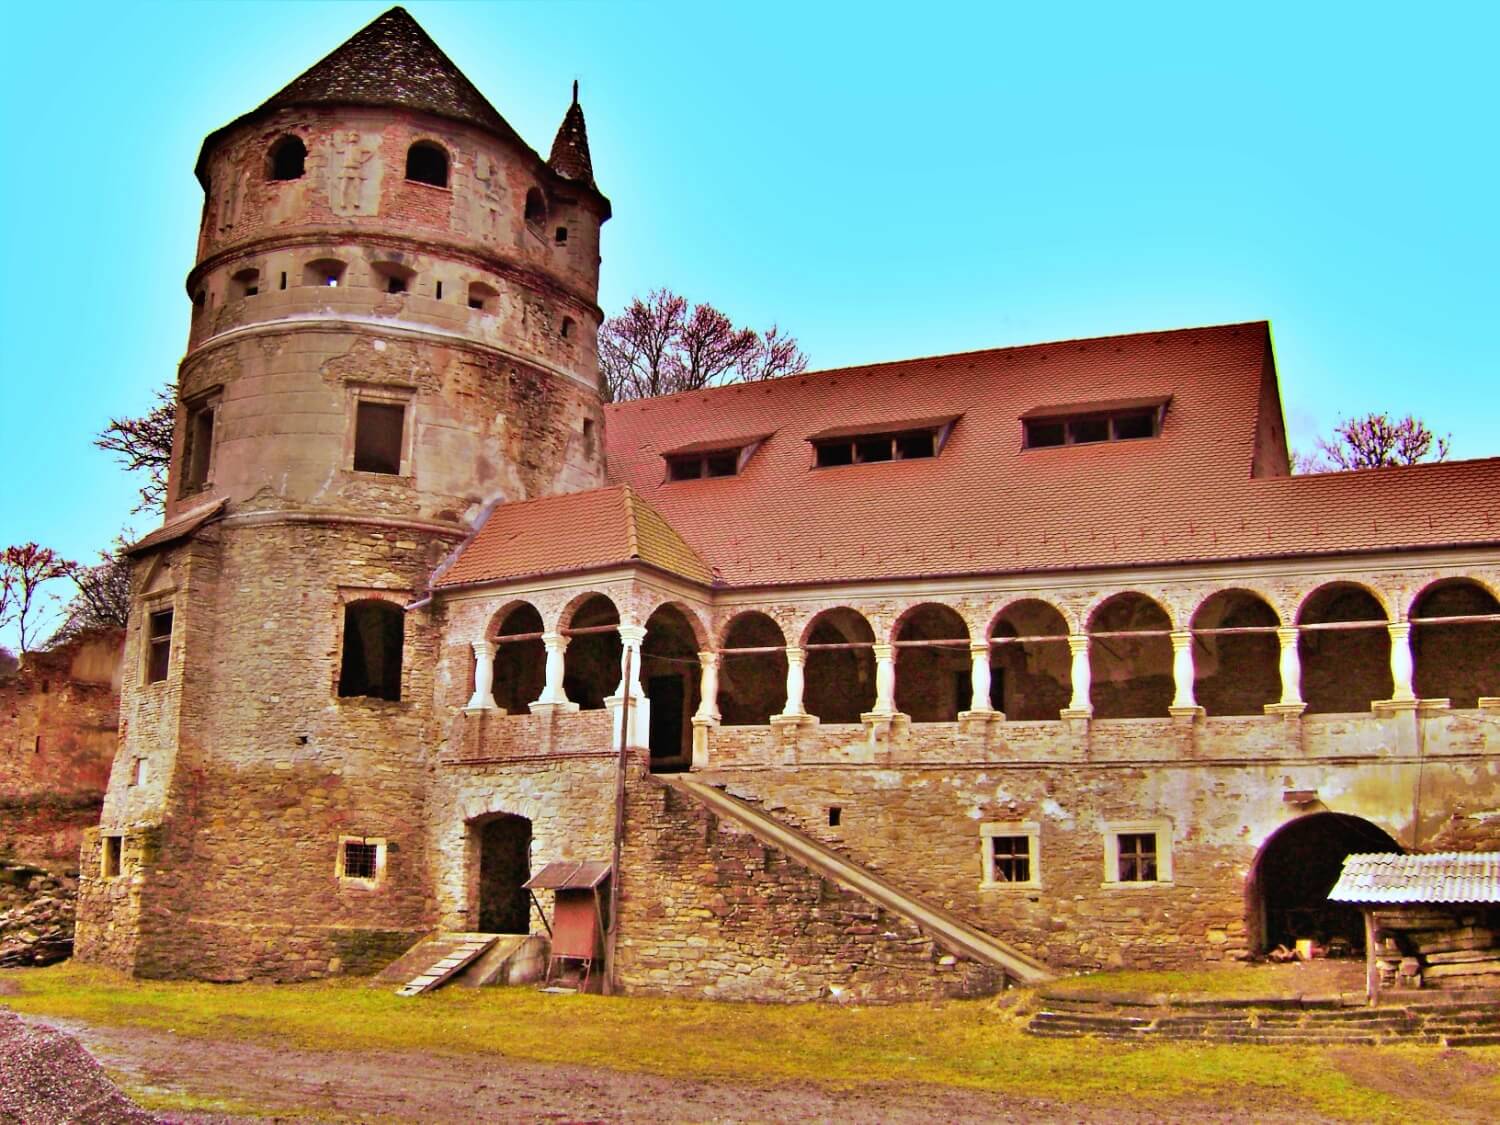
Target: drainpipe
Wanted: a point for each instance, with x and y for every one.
(614, 863)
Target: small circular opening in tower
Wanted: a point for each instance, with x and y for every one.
(427, 163)
(287, 159)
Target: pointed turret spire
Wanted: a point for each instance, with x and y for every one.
(570, 148)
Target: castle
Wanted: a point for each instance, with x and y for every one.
(1046, 642)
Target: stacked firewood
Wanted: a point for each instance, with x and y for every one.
(1437, 949)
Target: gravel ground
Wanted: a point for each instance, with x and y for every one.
(47, 1078)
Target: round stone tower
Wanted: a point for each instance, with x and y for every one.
(393, 328)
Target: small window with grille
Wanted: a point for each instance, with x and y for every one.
(1010, 854)
(361, 860)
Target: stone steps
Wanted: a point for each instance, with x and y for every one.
(1455, 1024)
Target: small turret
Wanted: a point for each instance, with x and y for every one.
(570, 148)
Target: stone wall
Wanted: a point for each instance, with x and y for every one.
(59, 718)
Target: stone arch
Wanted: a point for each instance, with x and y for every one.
(1286, 893)
(1030, 661)
(1456, 654)
(752, 684)
(933, 681)
(702, 635)
(840, 678)
(1130, 657)
(1236, 671)
(520, 657)
(591, 664)
(669, 676)
(1346, 665)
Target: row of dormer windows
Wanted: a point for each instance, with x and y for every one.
(426, 163)
(393, 277)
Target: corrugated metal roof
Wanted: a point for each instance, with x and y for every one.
(569, 875)
(1443, 877)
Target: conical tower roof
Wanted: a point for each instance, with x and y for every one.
(570, 148)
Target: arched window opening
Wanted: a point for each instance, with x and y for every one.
(1236, 656)
(287, 159)
(482, 297)
(323, 271)
(393, 277)
(591, 665)
(427, 163)
(752, 671)
(1455, 643)
(503, 846)
(933, 670)
(1031, 666)
(1345, 650)
(536, 208)
(520, 660)
(374, 632)
(669, 674)
(244, 283)
(1130, 659)
(840, 671)
(1287, 893)
(567, 327)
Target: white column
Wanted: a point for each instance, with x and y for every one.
(1291, 666)
(554, 645)
(885, 679)
(483, 698)
(631, 637)
(708, 687)
(639, 734)
(979, 676)
(1401, 662)
(1078, 645)
(796, 659)
(1182, 668)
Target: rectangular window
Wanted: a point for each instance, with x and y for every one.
(378, 430)
(1137, 857)
(1138, 852)
(361, 860)
(863, 449)
(110, 858)
(198, 445)
(138, 772)
(1010, 855)
(1120, 422)
(695, 466)
(158, 645)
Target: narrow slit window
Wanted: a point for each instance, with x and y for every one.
(561, 235)
(158, 645)
(197, 453)
(438, 290)
(378, 431)
(110, 862)
(835, 816)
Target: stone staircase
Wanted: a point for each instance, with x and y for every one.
(1456, 1020)
(948, 930)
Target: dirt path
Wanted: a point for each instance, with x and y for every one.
(368, 1086)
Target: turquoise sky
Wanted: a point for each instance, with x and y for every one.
(884, 181)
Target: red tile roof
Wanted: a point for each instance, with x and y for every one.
(985, 504)
(572, 532)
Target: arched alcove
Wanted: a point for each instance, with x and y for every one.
(520, 659)
(1030, 662)
(1130, 657)
(1455, 642)
(427, 163)
(670, 677)
(840, 672)
(752, 671)
(591, 665)
(933, 670)
(1345, 649)
(1236, 656)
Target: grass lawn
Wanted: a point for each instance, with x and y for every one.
(975, 1044)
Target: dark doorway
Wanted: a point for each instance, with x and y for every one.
(668, 695)
(1294, 872)
(504, 865)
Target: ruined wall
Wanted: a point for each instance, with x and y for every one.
(707, 910)
(59, 715)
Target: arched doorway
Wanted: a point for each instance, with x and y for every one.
(504, 845)
(1295, 870)
(669, 673)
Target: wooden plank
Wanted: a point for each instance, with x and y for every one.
(449, 962)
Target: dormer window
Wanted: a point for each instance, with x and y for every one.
(860, 445)
(721, 458)
(1088, 423)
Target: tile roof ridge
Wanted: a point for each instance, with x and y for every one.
(632, 538)
(1420, 467)
(723, 388)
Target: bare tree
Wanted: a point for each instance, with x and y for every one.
(663, 344)
(144, 444)
(102, 596)
(24, 570)
(1372, 441)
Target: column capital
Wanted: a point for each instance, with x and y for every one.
(1287, 634)
(1181, 638)
(1399, 630)
(1078, 643)
(708, 659)
(555, 640)
(481, 648)
(884, 651)
(796, 654)
(979, 648)
(632, 634)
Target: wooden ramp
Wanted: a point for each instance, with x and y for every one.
(441, 958)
